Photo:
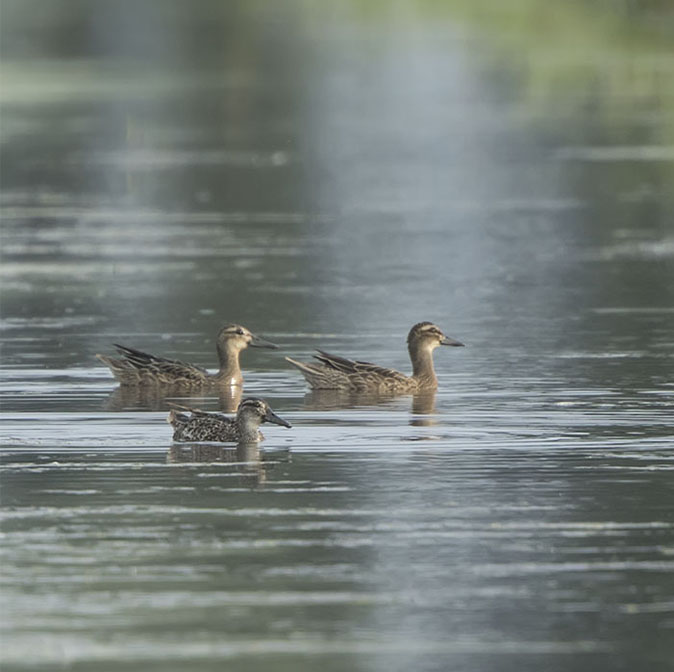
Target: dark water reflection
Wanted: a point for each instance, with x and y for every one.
(328, 177)
(157, 398)
(248, 459)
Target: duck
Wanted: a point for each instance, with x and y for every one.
(140, 368)
(339, 373)
(207, 426)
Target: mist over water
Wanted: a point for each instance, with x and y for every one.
(328, 177)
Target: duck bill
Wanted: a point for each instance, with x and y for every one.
(270, 416)
(257, 342)
(451, 341)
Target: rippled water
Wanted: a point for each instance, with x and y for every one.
(328, 180)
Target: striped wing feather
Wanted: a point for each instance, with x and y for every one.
(357, 368)
(172, 370)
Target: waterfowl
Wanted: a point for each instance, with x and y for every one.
(206, 426)
(339, 373)
(141, 368)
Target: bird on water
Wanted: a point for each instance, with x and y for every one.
(140, 368)
(331, 372)
(192, 424)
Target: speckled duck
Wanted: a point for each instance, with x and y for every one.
(191, 424)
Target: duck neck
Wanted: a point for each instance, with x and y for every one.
(422, 367)
(230, 370)
(248, 428)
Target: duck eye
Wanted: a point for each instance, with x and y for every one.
(240, 332)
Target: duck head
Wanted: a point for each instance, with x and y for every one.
(253, 412)
(428, 336)
(234, 338)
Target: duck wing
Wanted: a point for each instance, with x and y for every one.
(352, 367)
(199, 425)
(170, 370)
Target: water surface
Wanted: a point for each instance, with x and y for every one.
(329, 178)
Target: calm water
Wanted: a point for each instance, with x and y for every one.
(328, 178)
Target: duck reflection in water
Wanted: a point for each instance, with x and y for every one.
(157, 398)
(332, 400)
(245, 458)
(422, 408)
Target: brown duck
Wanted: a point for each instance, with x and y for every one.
(140, 368)
(333, 372)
